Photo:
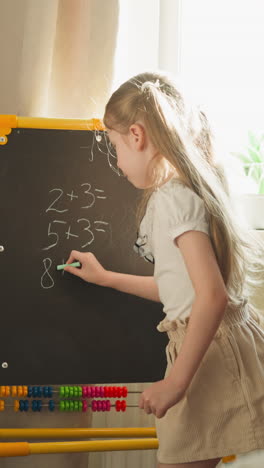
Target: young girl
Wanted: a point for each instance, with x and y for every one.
(211, 400)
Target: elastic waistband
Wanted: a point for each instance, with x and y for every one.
(232, 316)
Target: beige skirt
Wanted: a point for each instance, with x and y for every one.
(222, 412)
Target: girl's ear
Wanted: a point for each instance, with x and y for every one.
(138, 135)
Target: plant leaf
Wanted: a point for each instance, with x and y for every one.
(242, 157)
(254, 155)
(261, 184)
(253, 140)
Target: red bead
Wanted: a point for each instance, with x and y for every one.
(94, 405)
(108, 405)
(118, 405)
(123, 405)
(84, 406)
(119, 392)
(88, 392)
(124, 392)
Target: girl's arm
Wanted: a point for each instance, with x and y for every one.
(208, 307)
(142, 286)
(93, 272)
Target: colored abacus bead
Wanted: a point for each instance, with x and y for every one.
(2, 405)
(108, 405)
(124, 392)
(4, 391)
(47, 392)
(120, 405)
(61, 406)
(123, 405)
(51, 405)
(16, 405)
(84, 406)
(36, 405)
(37, 392)
(23, 405)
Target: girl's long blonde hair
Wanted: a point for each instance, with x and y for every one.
(181, 134)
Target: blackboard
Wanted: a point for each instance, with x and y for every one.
(59, 191)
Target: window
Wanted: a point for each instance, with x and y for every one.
(222, 63)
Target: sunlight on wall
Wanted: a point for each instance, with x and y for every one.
(222, 56)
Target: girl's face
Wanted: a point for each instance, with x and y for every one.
(134, 155)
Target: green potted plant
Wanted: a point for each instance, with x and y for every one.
(251, 202)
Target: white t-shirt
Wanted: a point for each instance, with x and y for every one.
(172, 209)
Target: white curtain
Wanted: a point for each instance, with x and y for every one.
(58, 58)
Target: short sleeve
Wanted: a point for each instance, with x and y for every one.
(180, 209)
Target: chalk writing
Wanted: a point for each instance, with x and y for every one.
(78, 229)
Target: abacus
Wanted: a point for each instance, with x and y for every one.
(84, 393)
(64, 392)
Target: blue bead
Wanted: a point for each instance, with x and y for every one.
(29, 391)
(51, 405)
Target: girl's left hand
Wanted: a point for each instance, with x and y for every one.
(161, 396)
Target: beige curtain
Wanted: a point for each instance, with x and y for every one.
(56, 61)
(58, 56)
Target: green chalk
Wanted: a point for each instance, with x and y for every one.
(75, 264)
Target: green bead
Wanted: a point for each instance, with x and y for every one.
(80, 391)
(62, 391)
(62, 406)
(76, 406)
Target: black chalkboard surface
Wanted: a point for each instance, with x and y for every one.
(59, 191)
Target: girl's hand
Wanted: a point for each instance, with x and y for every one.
(161, 396)
(91, 270)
